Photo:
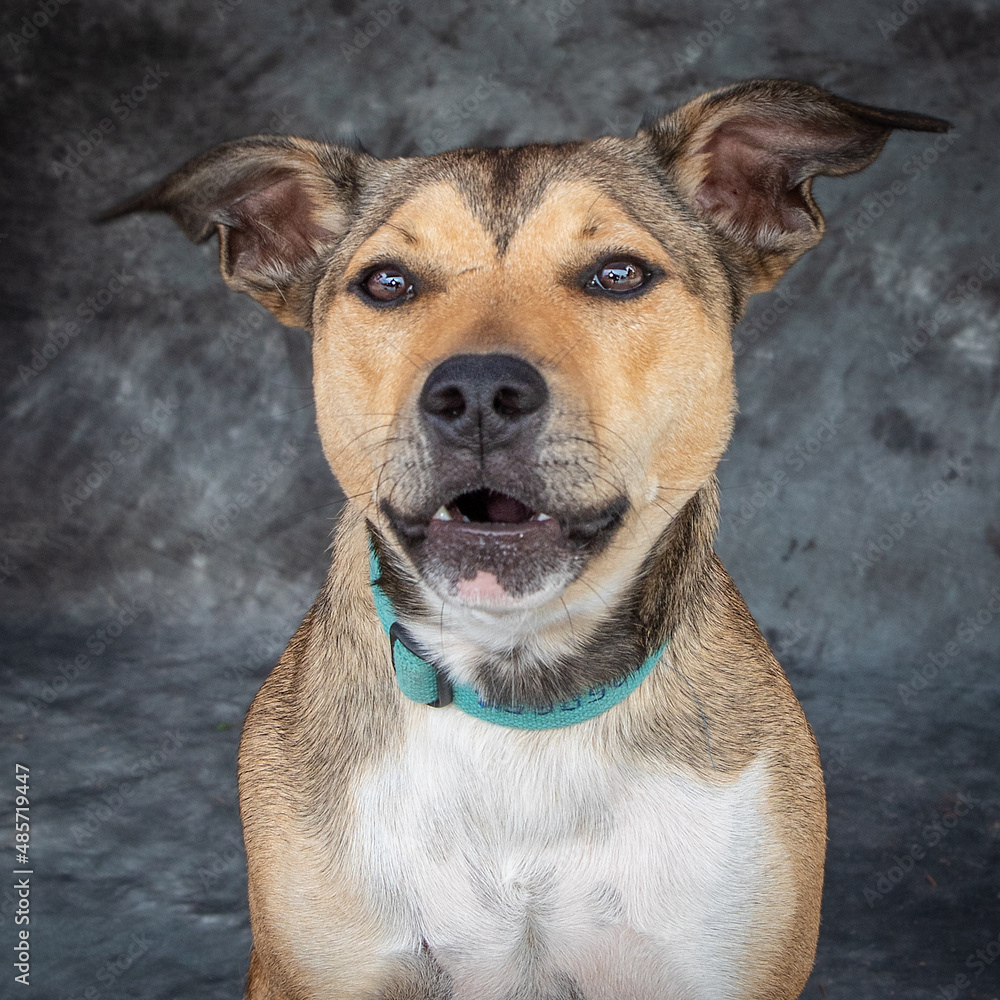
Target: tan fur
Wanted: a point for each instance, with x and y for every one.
(298, 736)
(716, 198)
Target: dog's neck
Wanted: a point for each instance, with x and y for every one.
(532, 671)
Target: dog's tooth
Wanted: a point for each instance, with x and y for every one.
(542, 517)
(441, 514)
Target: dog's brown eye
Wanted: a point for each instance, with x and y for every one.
(387, 284)
(618, 276)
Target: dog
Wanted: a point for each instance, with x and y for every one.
(529, 744)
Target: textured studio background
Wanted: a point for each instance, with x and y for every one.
(166, 507)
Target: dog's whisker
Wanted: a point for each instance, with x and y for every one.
(597, 593)
(357, 437)
(610, 430)
(322, 506)
(377, 491)
(367, 414)
(356, 496)
(298, 409)
(569, 616)
(671, 512)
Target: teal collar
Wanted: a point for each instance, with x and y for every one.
(421, 681)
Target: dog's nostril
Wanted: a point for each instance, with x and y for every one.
(511, 402)
(448, 402)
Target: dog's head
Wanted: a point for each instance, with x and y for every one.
(523, 368)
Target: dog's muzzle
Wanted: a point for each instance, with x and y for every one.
(492, 526)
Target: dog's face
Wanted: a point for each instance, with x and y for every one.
(522, 359)
(522, 390)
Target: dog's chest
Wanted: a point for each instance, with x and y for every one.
(533, 868)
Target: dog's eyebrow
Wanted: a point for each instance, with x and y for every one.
(591, 224)
(407, 235)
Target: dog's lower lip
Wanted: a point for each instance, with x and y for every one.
(479, 529)
(579, 530)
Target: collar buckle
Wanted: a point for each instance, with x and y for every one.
(445, 692)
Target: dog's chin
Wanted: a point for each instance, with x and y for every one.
(490, 550)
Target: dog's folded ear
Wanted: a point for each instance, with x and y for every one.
(744, 157)
(280, 206)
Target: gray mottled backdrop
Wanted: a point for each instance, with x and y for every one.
(166, 507)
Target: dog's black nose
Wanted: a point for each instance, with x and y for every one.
(483, 401)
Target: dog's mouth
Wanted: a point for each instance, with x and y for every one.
(489, 510)
(486, 547)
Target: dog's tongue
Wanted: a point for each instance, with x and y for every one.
(506, 509)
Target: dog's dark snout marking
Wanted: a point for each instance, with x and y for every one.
(482, 400)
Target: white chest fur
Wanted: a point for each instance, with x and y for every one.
(535, 870)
